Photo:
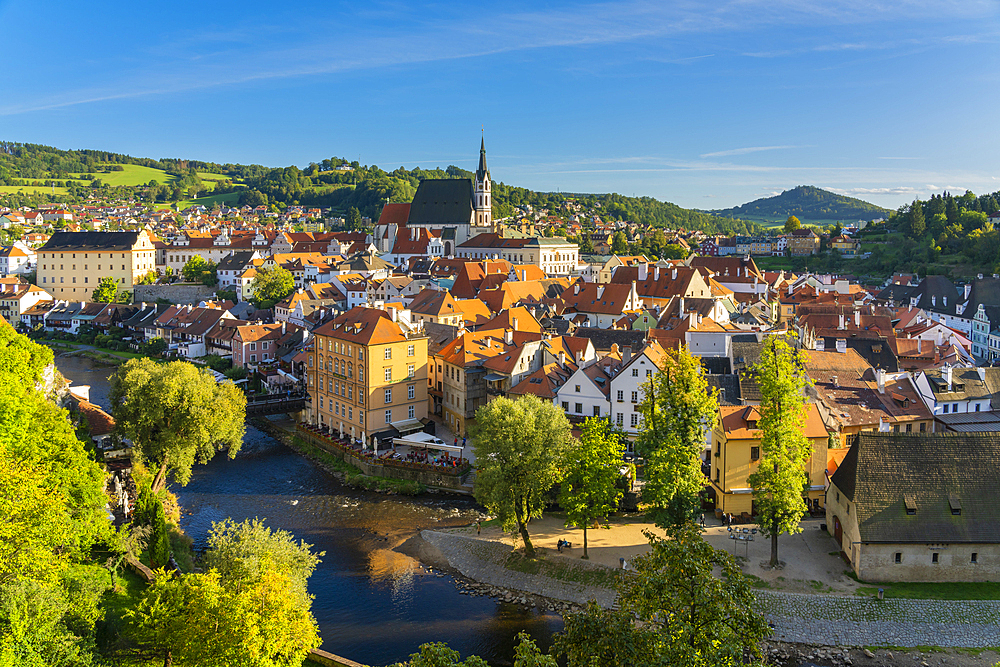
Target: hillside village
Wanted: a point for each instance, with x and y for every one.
(424, 315)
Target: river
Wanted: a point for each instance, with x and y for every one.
(373, 605)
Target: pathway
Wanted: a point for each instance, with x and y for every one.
(828, 620)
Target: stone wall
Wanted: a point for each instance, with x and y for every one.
(183, 293)
(877, 562)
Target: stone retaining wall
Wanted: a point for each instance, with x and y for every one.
(178, 294)
(426, 477)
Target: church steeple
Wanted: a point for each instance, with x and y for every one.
(482, 191)
(482, 173)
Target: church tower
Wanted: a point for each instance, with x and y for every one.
(483, 192)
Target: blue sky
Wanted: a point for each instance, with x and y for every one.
(707, 105)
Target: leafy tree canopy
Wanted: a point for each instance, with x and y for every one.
(271, 285)
(176, 414)
(106, 291)
(588, 491)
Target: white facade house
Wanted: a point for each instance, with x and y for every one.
(585, 393)
(626, 386)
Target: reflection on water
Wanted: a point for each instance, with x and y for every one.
(373, 605)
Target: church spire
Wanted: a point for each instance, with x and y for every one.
(482, 171)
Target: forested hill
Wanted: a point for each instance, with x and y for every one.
(808, 203)
(31, 174)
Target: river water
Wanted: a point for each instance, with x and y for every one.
(373, 605)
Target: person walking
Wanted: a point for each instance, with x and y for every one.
(702, 520)
(479, 528)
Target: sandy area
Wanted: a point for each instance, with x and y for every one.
(808, 565)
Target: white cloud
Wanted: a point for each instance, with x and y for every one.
(745, 151)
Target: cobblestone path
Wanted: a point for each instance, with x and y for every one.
(828, 620)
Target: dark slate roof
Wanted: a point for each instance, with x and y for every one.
(442, 201)
(934, 470)
(985, 291)
(898, 294)
(603, 339)
(876, 351)
(236, 261)
(931, 293)
(745, 354)
(557, 325)
(69, 241)
(728, 386)
(717, 365)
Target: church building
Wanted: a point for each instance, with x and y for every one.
(453, 210)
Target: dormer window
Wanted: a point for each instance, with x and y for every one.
(955, 504)
(910, 502)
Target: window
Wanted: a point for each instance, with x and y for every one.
(620, 419)
(350, 413)
(411, 412)
(975, 557)
(895, 428)
(597, 411)
(411, 391)
(388, 374)
(388, 395)
(923, 427)
(755, 454)
(621, 396)
(336, 408)
(578, 389)
(977, 407)
(635, 372)
(649, 373)
(388, 353)
(410, 350)
(634, 420)
(388, 416)
(361, 418)
(253, 346)
(410, 370)
(899, 557)
(361, 354)
(253, 357)
(578, 408)
(934, 557)
(635, 397)
(350, 391)
(320, 402)
(565, 405)
(361, 373)
(909, 428)
(350, 370)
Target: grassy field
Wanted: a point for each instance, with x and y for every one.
(961, 590)
(44, 189)
(209, 176)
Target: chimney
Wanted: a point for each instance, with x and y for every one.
(524, 275)
(680, 308)
(643, 271)
(673, 274)
(514, 321)
(842, 324)
(508, 337)
(656, 273)
(282, 328)
(982, 373)
(614, 348)
(600, 291)
(857, 318)
(626, 354)
(946, 375)
(820, 345)
(880, 379)
(842, 345)
(562, 358)
(835, 381)
(920, 345)
(576, 288)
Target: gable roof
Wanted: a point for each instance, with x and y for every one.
(441, 201)
(884, 470)
(394, 214)
(91, 240)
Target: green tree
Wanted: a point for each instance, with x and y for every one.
(240, 551)
(619, 244)
(271, 285)
(792, 224)
(155, 347)
(916, 219)
(588, 492)
(686, 605)
(586, 245)
(195, 269)
(518, 446)
(159, 538)
(780, 479)
(33, 630)
(106, 291)
(437, 654)
(353, 220)
(837, 230)
(176, 414)
(678, 406)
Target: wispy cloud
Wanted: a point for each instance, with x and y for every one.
(857, 192)
(745, 151)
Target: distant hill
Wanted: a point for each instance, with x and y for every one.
(808, 204)
(32, 174)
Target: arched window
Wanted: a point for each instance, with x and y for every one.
(350, 370)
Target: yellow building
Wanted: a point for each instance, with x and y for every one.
(736, 453)
(367, 375)
(72, 264)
